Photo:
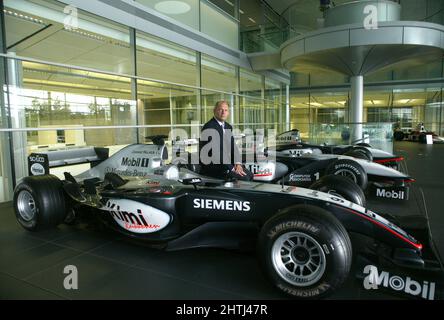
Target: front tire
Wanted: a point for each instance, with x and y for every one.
(399, 135)
(305, 251)
(39, 202)
(349, 169)
(342, 187)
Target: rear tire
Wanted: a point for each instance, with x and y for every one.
(349, 169)
(39, 202)
(358, 154)
(364, 150)
(398, 135)
(305, 251)
(363, 144)
(422, 138)
(340, 186)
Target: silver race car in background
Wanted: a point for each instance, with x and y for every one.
(290, 142)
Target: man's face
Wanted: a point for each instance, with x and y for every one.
(221, 112)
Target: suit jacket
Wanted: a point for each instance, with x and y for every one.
(226, 142)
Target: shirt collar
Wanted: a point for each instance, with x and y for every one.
(220, 122)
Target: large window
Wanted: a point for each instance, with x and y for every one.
(251, 105)
(184, 11)
(41, 30)
(162, 60)
(273, 104)
(87, 85)
(166, 106)
(219, 76)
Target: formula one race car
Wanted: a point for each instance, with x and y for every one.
(304, 238)
(324, 172)
(311, 170)
(291, 143)
(418, 135)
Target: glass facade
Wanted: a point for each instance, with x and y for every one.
(100, 83)
(205, 16)
(402, 94)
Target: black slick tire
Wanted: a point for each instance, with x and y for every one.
(324, 233)
(39, 202)
(340, 186)
(350, 169)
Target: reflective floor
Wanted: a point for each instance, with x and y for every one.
(110, 267)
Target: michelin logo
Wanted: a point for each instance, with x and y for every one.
(374, 279)
(228, 205)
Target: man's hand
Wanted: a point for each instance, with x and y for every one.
(239, 170)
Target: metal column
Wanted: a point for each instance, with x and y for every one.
(356, 107)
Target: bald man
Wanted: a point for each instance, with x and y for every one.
(228, 164)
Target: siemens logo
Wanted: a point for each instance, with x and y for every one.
(228, 205)
(400, 195)
(135, 162)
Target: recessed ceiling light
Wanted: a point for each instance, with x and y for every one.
(252, 20)
(172, 7)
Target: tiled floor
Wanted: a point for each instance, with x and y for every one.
(110, 267)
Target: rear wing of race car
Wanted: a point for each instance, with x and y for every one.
(39, 163)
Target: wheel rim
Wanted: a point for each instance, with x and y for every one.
(26, 205)
(298, 259)
(346, 173)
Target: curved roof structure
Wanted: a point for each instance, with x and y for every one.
(354, 50)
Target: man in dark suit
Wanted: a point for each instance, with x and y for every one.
(220, 157)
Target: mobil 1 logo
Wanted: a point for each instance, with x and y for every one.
(391, 193)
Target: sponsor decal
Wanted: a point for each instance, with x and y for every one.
(37, 158)
(127, 173)
(313, 194)
(260, 171)
(299, 152)
(289, 189)
(390, 194)
(135, 162)
(375, 279)
(336, 199)
(37, 169)
(299, 177)
(135, 216)
(347, 166)
(227, 205)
